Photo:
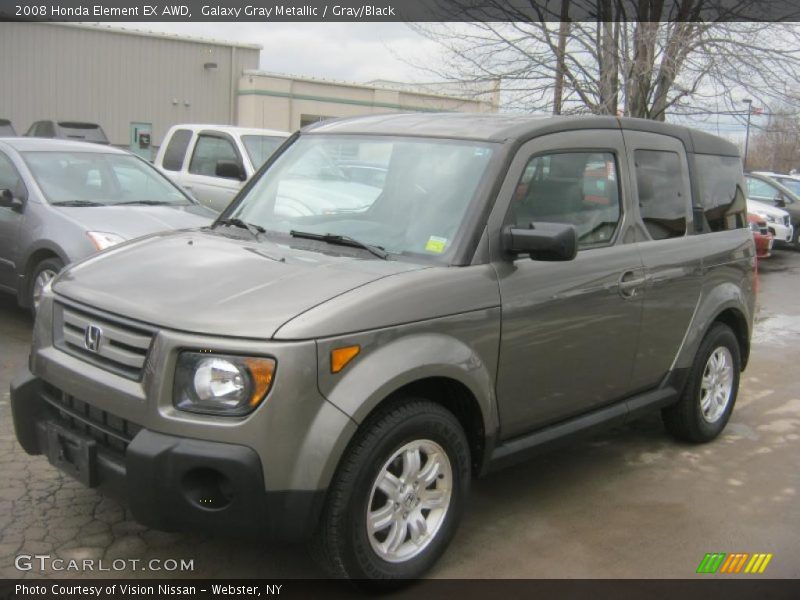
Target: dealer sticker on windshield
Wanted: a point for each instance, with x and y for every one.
(436, 244)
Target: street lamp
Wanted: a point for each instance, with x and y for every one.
(749, 104)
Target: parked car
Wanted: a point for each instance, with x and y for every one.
(789, 181)
(62, 201)
(68, 130)
(7, 129)
(778, 220)
(762, 236)
(342, 376)
(212, 162)
(767, 190)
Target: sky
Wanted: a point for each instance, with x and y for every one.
(356, 52)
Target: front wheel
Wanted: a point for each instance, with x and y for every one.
(397, 496)
(41, 275)
(710, 393)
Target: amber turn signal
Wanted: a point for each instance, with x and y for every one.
(340, 357)
(261, 370)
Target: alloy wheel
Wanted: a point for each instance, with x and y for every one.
(409, 500)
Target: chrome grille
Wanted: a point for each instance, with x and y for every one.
(122, 347)
(787, 220)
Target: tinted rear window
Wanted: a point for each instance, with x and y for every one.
(722, 198)
(90, 132)
(659, 180)
(176, 150)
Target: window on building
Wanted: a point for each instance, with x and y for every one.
(579, 188)
(208, 150)
(176, 150)
(660, 183)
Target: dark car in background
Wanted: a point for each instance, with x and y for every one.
(62, 201)
(765, 188)
(68, 130)
(6, 128)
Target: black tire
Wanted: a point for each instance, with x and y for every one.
(796, 238)
(685, 420)
(342, 544)
(48, 264)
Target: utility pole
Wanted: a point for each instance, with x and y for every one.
(749, 104)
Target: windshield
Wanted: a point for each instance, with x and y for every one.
(100, 178)
(413, 202)
(792, 184)
(260, 147)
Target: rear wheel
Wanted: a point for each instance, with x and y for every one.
(397, 496)
(710, 393)
(41, 275)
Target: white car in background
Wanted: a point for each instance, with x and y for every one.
(212, 162)
(778, 220)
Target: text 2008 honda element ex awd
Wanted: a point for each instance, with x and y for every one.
(393, 305)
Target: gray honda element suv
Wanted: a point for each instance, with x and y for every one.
(338, 367)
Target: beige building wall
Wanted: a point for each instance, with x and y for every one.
(287, 103)
(112, 77)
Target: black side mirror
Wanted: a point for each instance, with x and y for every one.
(230, 169)
(780, 200)
(542, 241)
(7, 200)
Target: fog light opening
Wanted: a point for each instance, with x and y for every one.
(207, 488)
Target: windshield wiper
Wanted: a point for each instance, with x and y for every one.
(76, 203)
(236, 222)
(144, 202)
(341, 240)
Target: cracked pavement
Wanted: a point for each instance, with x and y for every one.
(628, 503)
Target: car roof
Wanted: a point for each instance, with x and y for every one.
(494, 127)
(773, 174)
(234, 129)
(33, 144)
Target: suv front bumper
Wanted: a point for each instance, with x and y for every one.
(168, 482)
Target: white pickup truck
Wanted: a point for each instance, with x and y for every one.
(212, 162)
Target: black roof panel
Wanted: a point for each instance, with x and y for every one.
(493, 127)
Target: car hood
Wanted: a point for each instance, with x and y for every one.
(135, 221)
(760, 207)
(207, 281)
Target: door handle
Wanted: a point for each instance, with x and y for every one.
(629, 284)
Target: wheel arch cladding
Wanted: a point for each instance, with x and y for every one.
(435, 367)
(731, 314)
(733, 318)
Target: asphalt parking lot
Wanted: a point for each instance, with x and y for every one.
(630, 503)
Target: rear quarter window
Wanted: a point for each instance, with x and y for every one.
(723, 201)
(176, 150)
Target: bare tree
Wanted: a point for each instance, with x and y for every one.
(777, 146)
(641, 58)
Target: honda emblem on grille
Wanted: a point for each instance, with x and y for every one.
(91, 337)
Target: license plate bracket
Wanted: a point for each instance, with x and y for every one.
(72, 453)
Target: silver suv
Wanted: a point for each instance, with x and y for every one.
(340, 376)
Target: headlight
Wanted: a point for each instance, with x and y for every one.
(221, 384)
(103, 240)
